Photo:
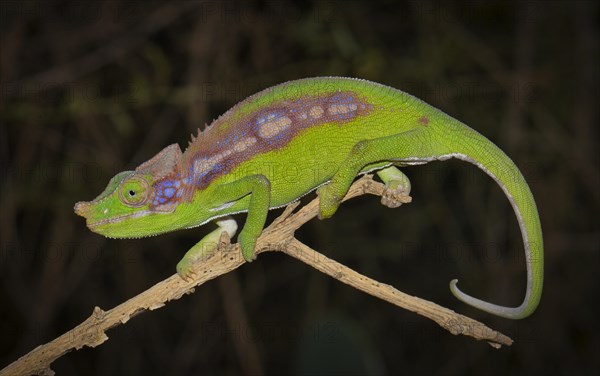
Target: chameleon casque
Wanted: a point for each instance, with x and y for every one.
(288, 140)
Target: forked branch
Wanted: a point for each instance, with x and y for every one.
(279, 236)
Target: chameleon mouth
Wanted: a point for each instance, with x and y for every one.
(83, 208)
(97, 224)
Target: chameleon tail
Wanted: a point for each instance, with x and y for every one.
(476, 149)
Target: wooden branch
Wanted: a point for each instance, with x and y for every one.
(279, 236)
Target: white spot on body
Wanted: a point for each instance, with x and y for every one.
(316, 112)
(222, 207)
(218, 158)
(339, 109)
(274, 127)
(265, 118)
(204, 165)
(244, 144)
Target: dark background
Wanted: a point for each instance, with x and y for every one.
(91, 88)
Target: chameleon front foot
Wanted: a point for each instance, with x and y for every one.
(205, 248)
(328, 201)
(247, 243)
(201, 251)
(185, 268)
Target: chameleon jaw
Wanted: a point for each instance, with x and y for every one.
(111, 220)
(83, 208)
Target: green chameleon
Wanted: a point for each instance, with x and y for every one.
(286, 141)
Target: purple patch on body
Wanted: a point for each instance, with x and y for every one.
(167, 191)
(217, 150)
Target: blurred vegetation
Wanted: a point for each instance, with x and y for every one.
(88, 89)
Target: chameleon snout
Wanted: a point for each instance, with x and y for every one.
(82, 208)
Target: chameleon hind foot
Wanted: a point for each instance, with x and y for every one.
(397, 187)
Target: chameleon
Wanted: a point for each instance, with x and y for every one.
(294, 138)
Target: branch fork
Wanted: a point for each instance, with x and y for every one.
(277, 237)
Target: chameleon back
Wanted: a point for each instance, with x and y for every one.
(298, 133)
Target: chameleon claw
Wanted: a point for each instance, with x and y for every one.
(395, 194)
(397, 187)
(184, 269)
(247, 243)
(328, 202)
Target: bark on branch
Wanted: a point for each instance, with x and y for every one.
(279, 236)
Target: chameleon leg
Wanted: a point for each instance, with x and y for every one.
(205, 247)
(395, 182)
(259, 189)
(411, 146)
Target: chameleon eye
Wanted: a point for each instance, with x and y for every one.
(134, 191)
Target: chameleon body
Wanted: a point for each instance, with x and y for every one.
(293, 138)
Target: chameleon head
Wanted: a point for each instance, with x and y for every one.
(134, 203)
(123, 209)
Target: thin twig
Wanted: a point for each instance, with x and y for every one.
(279, 236)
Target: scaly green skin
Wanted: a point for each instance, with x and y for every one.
(286, 141)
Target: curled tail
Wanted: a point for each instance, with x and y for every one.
(472, 147)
